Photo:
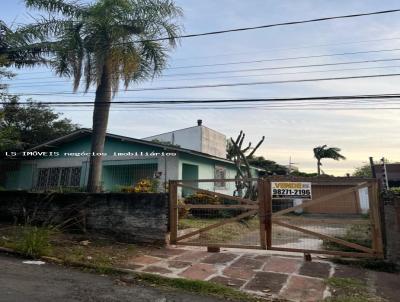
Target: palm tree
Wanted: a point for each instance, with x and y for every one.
(105, 42)
(321, 152)
(16, 51)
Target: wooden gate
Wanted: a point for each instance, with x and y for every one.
(342, 218)
(214, 217)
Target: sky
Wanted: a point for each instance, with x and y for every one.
(290, 132)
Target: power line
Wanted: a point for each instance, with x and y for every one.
(234, 84)
(324, 108)
(285, 48)
(211, 101)
(218, 32)
(284, 59)
(284, 67)
(279, 105)
(261, 61)
(257, 69)
(52, 83)
(275, 25)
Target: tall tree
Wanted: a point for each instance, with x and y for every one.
(269, 166)
(16, 51)
(321, 152)
(363, 171)
(105, 42)
(29, 125)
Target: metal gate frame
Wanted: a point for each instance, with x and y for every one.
(263, 207)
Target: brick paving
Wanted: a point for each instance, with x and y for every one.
(304, 289)
(315, 269)
(282, 265)
(285, 277)
(199, 271)
(265, 275)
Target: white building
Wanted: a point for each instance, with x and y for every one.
(199, 138)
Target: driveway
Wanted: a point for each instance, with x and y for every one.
(21, 282)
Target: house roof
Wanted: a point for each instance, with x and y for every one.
(85, 131)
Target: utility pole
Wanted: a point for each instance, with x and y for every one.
(290, 164)
(371, 163)
(385, 178)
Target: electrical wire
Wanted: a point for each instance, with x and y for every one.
(52, 83)
(259, 61)
(211, 101)
(241, 29)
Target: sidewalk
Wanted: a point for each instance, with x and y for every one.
(256, 272)
(288, 278)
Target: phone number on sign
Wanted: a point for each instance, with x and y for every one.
(291, 192)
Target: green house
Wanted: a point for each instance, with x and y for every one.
(64, 162)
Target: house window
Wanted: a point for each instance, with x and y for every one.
(220, 173)
(58, 177)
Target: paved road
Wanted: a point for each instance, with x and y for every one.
(21, 282)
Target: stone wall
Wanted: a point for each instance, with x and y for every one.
(128, 217)
(392, 227)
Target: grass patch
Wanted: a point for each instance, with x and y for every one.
(349, 290)
(92, 251)
(225, 233)
(36, 241)
(359, 234)
(29, 241)
(371, 264)
(198, 287)
(203, 288)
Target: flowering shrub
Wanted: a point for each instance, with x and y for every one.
(145, 185)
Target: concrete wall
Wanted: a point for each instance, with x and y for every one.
(189, 138)
(198, 138)
(392, 227)
(213, 142)
(128, 217)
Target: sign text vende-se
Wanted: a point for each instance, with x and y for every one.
(291, 190)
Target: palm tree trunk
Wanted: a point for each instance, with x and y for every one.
(319, 166)
(100, 121)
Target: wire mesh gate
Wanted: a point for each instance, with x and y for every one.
(342, 218)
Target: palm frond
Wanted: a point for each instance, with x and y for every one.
(67, 8)
(321, 152)
(79, 39)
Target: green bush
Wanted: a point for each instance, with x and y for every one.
(206, 199)
(33, 241)
(395, 190)
(209, 199)
(203, 198)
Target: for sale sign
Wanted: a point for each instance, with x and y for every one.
(291, 190)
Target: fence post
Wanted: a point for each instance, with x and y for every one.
(262, 213)
(377, 243)
(173, 211)
(268, 212)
